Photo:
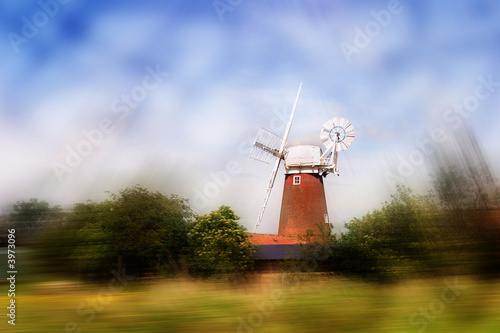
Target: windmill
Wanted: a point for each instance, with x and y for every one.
(304, 204)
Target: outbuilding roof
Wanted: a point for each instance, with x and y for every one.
(266, 239)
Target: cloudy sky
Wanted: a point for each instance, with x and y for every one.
(96, 96)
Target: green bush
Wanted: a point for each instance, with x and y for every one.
(399, 240)
(219, 245)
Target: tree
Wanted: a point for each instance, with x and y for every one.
(468, 197)
(394, 241)
(144, 231)
(148, 230)
(469, 188)
(219, 245)
(32, 217)
(76, 246)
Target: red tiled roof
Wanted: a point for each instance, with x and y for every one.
(263, 239)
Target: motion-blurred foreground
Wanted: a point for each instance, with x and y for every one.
(270, 303)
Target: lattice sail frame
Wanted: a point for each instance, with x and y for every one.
(266, 146)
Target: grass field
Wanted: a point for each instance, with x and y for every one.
(265, 303)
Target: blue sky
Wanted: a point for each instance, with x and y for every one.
(222, 70)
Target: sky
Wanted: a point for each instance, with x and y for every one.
(96, 96)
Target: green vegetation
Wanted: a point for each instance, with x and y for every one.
(219, 245)
(450, 231)
(32, 217)
(399, 240)
(417, 236)
(148, 233)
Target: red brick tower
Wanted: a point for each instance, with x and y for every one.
(303, 206)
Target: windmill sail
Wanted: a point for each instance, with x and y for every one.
(289, 125)
(264, 147)
(268, 193)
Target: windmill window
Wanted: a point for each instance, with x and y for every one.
(296, 180)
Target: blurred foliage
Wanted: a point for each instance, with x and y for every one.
(219, 245)
(395, 241)
(144, 231)
(468, 198)
(32, 217)
(456, 230)
(469, 188)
